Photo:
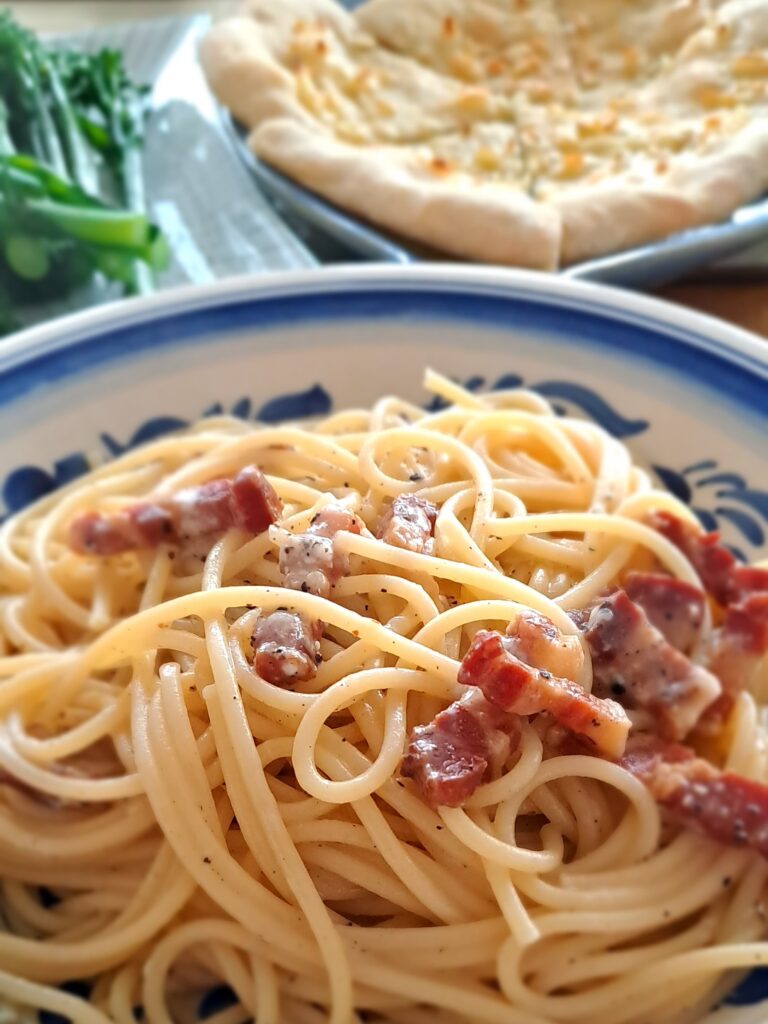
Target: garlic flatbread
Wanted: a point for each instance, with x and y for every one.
(527, 132)
(378, 133)
(520, 49)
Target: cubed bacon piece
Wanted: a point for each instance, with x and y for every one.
(285, 645)
(203, 510)
(307, 564)
(153, 523)
(409, 523)
(749, 579)
(738, 656)
(145, 525)
(492, 665)
(697, 796)
(94, 534)
(580, 616)
(256, 504)
(674, 607)
(309, 561)
(727, 807)
(633, 662)
(285, 648)
(536, 640)
(740, 646)
(747, 622)
(723, 577)
(711, 560)
(462, 747)
(645, 753)
(333, 519)
(248, 502)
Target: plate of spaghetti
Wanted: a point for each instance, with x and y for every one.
(384, 645)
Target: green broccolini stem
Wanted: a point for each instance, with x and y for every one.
(120, 229)
(68, 122)
(44, 130)
(82, 166)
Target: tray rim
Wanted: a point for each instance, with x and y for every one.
(645, 266)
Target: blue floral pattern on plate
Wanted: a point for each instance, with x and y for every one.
(715, 495)
(28, 483)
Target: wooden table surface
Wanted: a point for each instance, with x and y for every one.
(744, 304)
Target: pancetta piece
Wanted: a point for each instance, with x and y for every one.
(697, 796)
(633, 662)
(723, 577)
(462, 747)
(143, 526)
(749, 579)
(674, 607)
(492, 664)
(536, 640)
(285, 648)
(409, 523)
(285, 644)
(247, 502)
(309, 561)
(740, 646)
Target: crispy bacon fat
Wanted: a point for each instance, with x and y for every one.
(309, 561)
(469, 742)
(633, 662)
(285, 648)
(511, 684)
(285, 645)
(697, 796)
(409, 523)
(646, 653)
(462, 747)
(723, 577)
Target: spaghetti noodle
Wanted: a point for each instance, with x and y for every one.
(171, 819)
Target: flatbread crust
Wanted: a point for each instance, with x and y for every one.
(527, 132)
(379, 134)
(488, 221)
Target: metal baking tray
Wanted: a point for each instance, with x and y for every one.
(335, 235)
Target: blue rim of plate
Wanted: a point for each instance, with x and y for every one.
(728, 361)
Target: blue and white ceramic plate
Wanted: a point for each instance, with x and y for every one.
(687, 393)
